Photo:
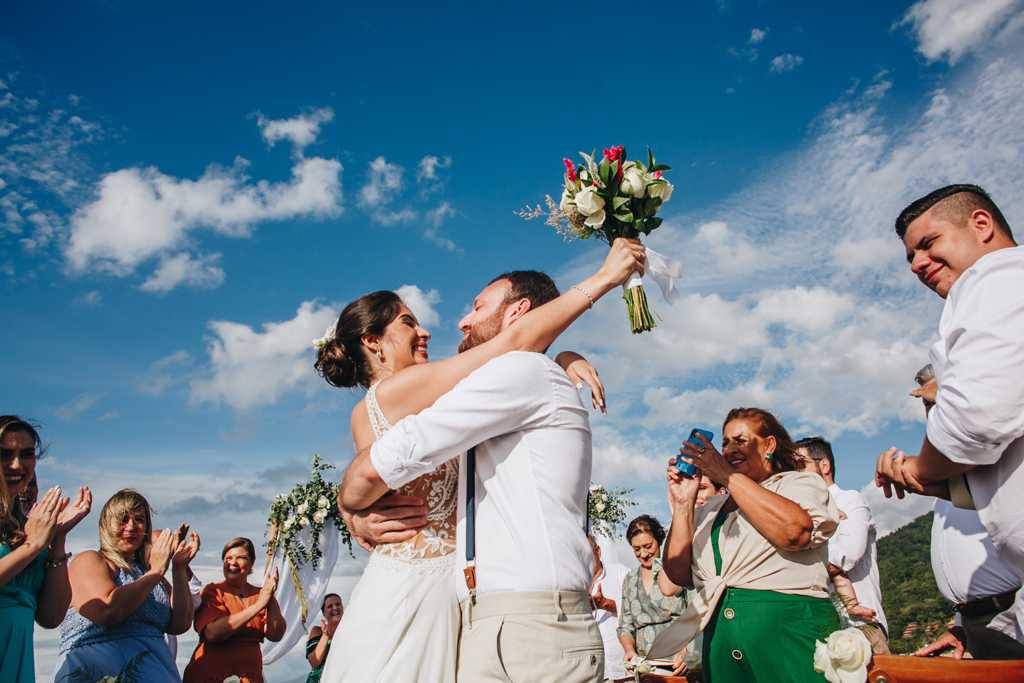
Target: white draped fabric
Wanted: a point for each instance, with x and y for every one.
(314, 587)
(663, 271)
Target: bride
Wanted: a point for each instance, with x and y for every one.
(402, 623)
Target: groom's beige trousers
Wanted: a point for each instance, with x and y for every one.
(530, 637)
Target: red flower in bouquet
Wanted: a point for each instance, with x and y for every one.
(570, 169)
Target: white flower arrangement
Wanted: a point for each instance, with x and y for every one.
(307, 506)
(329, 334)
(608, 508)
(845, 657)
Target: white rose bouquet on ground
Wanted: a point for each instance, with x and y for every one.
(610, 198)
(845, 657)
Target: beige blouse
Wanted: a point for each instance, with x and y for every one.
(749, 560)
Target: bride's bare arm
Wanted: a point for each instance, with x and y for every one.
(416, 388)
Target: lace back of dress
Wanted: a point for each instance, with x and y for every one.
(439, 490)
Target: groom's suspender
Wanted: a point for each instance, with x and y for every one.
(470, 570)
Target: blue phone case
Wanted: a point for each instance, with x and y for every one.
(685, 467)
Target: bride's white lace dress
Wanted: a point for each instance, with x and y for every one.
(402, 622)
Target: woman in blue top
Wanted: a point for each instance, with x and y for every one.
(121, 604)
(33, 565)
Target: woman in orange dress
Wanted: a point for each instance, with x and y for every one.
(233, 620)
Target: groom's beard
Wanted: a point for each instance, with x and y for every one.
(483, 331)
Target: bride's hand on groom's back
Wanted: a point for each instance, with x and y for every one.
(392, 519)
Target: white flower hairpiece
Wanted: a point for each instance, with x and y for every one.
(329, 334)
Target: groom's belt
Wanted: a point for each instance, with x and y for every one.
(995, 603)
(529, 602)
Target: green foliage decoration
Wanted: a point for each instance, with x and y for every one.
(608, 508)
(310, 505)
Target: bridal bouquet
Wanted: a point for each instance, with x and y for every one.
(306, 505)
(609, 198)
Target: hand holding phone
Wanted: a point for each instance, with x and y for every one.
(685, 467)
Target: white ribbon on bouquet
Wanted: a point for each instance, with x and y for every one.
(662, 270)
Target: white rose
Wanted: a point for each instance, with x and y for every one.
(319, 517)
(589, 202)
(845, 658)
(303, 521)
(322, 503)
(663, 191)
(301, 509)
(633, 183)
(289, 522)
(599, 507)
(595, 220)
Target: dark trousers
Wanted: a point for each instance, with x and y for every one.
(984, 643)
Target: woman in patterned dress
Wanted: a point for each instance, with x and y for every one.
(121, 604)
(403, 617)
(650, 601)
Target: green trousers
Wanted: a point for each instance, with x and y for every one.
(766, 637)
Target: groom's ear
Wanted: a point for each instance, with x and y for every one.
(516, 310)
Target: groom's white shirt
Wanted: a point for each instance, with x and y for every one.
(533, 464)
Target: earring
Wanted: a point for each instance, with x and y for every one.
(380, 355)
(769, 455)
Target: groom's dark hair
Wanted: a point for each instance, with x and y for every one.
(532, 285)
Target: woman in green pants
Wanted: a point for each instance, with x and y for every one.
(756, 555)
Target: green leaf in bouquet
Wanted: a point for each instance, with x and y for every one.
(650, 160)
(651, 224)
(625, 217)
(604, 171)
(660, 167)
(618, 202)
(640, 165)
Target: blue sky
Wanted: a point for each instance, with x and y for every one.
(190, 192)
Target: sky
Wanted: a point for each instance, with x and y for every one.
(191, 192)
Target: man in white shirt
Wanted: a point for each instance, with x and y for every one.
(606, 601)
(529, 616)
(851, 550)
(960, 246)
(968, 572)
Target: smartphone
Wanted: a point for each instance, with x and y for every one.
(685, 467)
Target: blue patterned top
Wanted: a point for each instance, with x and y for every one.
(645, 615)
(151, 619)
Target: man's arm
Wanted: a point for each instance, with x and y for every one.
(505, 395)
(932, 466)
(848, 545)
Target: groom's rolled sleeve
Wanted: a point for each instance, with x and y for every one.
(509, 393)
(979, 408)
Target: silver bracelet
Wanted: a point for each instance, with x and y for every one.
(577, 287)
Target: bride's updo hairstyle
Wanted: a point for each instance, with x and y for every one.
(343, 361)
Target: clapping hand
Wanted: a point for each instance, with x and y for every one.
(42, 519)
(187, 549)
(326, 630)
(74, 513)
(161, 551)
(268, 590)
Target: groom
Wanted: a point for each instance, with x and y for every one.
(530, 619)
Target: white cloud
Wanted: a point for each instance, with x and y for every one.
(164, 373)
(435, 218)
(140, 214)
(89, 300)
(892, 513)
(112, 415)
(619, 459)
(428, 167)
(249, 369)
(421, 303)
(757, 35)
(182, 269)
(385, 181)
(74, 408)
(395, 217)
(796, 295)
(949, 29)
(786, 62)
(301, 130)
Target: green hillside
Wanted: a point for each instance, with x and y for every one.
(909, 592)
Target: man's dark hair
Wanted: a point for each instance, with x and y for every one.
(818, 449)
(953, 203)
(532, 285)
